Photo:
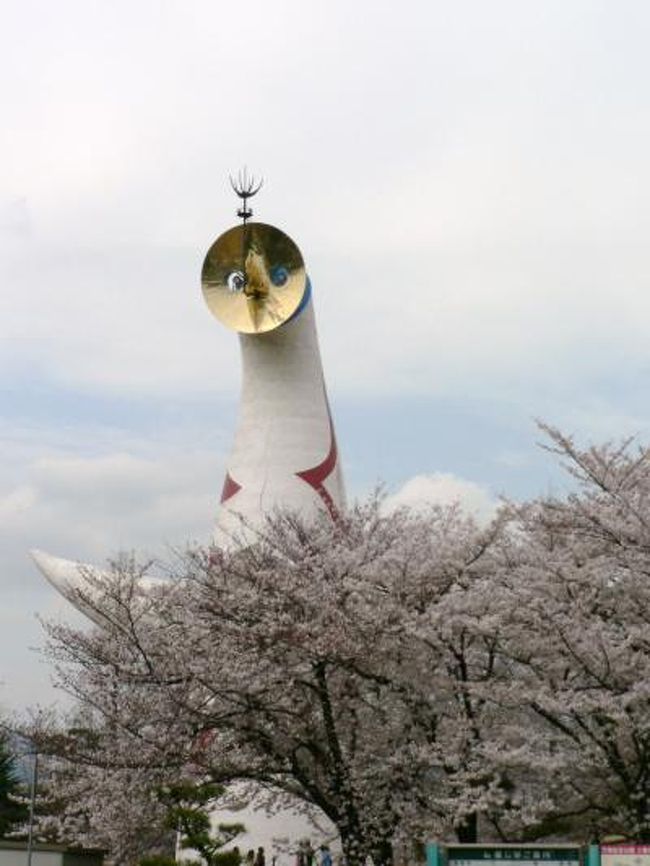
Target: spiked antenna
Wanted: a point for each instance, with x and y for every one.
(245, 187)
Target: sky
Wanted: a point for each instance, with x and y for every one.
(469, 185)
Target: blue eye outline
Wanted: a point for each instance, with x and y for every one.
(279, 275)
(306, 298)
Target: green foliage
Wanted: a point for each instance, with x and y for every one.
(12, 812)
(189, 812)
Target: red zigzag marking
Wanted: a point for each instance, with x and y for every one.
(230, 487)
(317, 475)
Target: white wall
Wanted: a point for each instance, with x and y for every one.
(39, 858)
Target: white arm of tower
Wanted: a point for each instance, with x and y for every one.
(80, 583)
(74, 580)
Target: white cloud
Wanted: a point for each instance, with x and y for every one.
(443, 488)
(87, 508)
(468, 182)
(471, 197)
(93, 507)
(15, 503)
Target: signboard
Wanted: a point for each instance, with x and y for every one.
(624, 854)
(509, 855)
(515, 855)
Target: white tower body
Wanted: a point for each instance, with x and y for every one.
(285, 453)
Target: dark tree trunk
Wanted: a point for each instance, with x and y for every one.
(468, 830)
(382, 853)
(640, 805)
(353, 849)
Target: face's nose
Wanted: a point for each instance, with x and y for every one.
(258, 282)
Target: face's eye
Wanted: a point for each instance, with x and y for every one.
(236, 281)
(279, 275)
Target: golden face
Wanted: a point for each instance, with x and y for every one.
(253, 278)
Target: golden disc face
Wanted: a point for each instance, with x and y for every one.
(253, 278)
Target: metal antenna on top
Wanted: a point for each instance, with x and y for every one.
(245, 187)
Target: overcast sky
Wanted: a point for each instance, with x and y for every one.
(468, 182)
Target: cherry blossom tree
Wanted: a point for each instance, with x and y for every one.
(578, 638)
(405, 675)
(345, 667)
(113, 806)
